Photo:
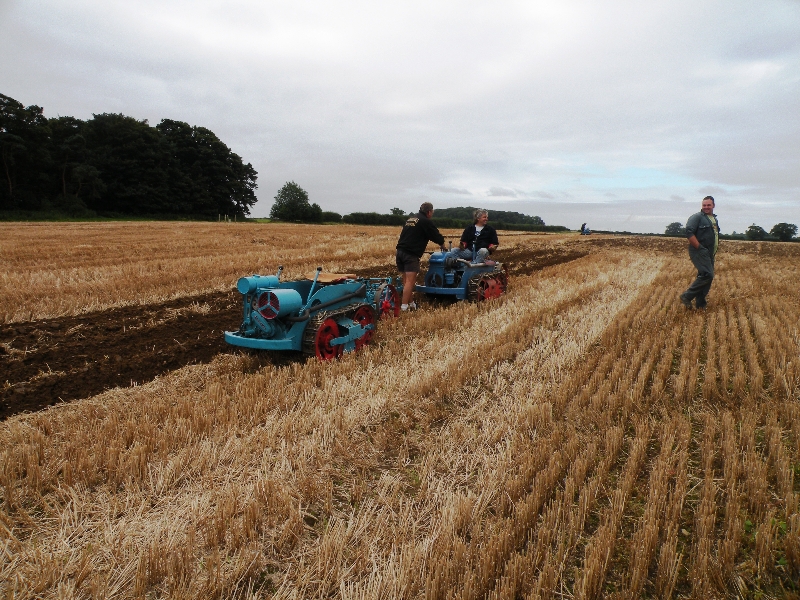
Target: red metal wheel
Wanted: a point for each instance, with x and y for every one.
(323, 348)
(388, 303)
(488, 287)
(364, 316)
(495, 289)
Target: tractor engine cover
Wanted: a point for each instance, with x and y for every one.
(271, 304)
(248, 285)
(438, 258)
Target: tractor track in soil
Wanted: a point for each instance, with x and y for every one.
(50, 361)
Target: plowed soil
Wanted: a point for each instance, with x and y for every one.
(47, 362)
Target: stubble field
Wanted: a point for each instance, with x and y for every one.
(583, 436)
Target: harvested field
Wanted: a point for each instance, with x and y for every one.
(54, 360)
(583, 436)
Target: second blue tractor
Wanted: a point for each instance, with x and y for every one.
(463, 280)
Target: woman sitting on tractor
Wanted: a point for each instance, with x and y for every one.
(479, 235)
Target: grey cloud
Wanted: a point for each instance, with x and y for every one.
(503, 192)
(711, 191)
(451, 190)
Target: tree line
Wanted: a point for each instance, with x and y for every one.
(114, 164)
(292, 204)
(781, 232)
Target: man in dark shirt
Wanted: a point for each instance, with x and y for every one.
(702, 230)
(479, 234)
(416, 234)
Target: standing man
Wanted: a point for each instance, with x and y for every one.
(479, 234)
(416, 234)
(702, 229)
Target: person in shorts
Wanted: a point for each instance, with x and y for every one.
(414, 238)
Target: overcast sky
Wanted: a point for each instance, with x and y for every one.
(620, 114)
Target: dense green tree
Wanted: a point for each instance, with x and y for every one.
(675, 229)
(114, 164)
(67, 147)
(463, 218)
(330, 216)
(11, 147)
(313, 214)
(464, 213)
(291, 204)
(76, 179)
(755, 233)
(373, 218)
(134, 162)
(784, 231)
(24, 150)
(218, 180)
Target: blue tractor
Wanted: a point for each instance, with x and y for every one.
(324, 315)
(462, 279)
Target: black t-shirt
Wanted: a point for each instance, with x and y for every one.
(416, 234)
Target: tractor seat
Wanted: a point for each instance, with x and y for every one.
(330, 277)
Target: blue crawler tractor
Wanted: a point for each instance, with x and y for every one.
(324, 315)
(462, 279)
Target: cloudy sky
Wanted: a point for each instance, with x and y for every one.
(620, 114)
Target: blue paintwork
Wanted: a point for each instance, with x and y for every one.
(248, 285)
(448, 277)
(258, 344)
(354, 332)
(299, 298)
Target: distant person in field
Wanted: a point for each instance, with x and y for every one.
(483, 236)
(702, 229)
(417, 232)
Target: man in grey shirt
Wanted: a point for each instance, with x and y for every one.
(702, 229)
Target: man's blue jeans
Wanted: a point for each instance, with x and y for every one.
(466, 254)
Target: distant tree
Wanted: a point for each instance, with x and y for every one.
(330, 217)
(755, 233)
(675, 229)
(10, 147)
(313, 213)
(291, 204)
(137, 165)
(398, 212)
(114, 164)
(209, 178)
(537, 220)
(784, 231)
(26, 162)
(464, 213)
(76, 180)
(68, 149)
(373, 218)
